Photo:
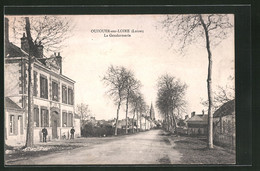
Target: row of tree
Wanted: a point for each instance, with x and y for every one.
(123, 87)
(170, 100)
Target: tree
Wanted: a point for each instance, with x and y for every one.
(30, 126)
(45, 33)
(51, 31)
(134, 100)
(170, 98)
(188, 29)
(84, 112)
(132, 86)
(116, 81)
(221, 96)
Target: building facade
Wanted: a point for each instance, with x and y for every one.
(53, 93)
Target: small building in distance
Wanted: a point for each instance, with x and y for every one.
(197, 124)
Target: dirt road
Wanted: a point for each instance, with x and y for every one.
(150, 147)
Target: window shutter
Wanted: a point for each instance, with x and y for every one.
(15, 125)
(47, 118)
(46, 88)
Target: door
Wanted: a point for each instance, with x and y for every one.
(54, 129)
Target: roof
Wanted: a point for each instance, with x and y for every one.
(226, 109)
(12, 50)
(203, 119)
(11, 104)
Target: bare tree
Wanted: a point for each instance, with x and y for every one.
(116, 80)
(135, 100)
(184, 30)
(132, 86)
(170, 98)
(84, 112)
(51, 31)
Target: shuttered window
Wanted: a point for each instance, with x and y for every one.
(54, 91)
(44, 118)
(35, 83)
(70, 119)
(36, 117)
(64, 119)
(11, 124)
(44, 87)
(70, 94)
(64, 94)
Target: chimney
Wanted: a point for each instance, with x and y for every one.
(203, 112)
(186, 116)
(24, 43)
(40, 49)
(6, 30)
(192, 114)
(59, 60)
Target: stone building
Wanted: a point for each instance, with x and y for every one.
(53, 92)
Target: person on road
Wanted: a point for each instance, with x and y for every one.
(72, 133)
(44, 133)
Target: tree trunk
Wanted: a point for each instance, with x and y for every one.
(133, 122)
(137, 119)
(174, 123)
(145, 123)
(209, 84)
(30, 126)
(140, 121)
(117, 115)
(126, 113)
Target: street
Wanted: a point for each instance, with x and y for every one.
(151, 147)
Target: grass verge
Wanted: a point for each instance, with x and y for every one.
(194, 151)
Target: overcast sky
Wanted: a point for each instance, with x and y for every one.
(148, 54)
(88, 55)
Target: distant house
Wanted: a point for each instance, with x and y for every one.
(197, 124)
(122, 123)
(224, 124)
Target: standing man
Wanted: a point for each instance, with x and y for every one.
(72, 133)
(44, 133)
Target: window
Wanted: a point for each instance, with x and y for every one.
(70, 119)
(35, 83)
(11, 124)
(70, 94)
(36, 117)
(44, 87)
(54, 91)
(44, 118)
(64, 119)
(64, 94)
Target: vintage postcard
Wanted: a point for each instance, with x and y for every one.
(119, 89)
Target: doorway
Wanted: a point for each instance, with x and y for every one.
(54, 124)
